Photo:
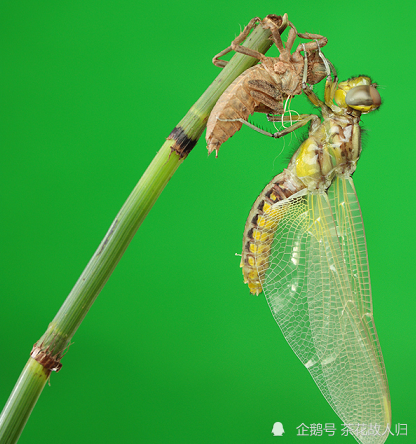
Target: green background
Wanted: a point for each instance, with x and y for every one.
(175, 349)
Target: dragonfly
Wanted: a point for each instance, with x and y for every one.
(304, 246)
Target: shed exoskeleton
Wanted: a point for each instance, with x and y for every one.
(264, 87)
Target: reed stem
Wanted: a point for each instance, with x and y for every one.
(62, 328)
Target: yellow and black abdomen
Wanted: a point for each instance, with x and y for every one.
(258, 232)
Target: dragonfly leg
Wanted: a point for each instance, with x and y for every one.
(267, 23)
(291, 37)
(316, 100)
(277, 30)
(250, 125)
(300, 120)
(319, 42)
(236, 44)
(321, 39)
(330, 87)
(331, 84)
(305, 68)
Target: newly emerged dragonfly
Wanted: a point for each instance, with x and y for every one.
(304, 246)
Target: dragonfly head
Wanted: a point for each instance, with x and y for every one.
(358, 93)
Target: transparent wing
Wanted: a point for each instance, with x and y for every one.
(350, 229)
(307, 286)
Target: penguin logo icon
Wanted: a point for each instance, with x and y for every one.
(278, 429)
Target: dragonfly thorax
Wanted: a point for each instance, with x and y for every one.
(333, 148)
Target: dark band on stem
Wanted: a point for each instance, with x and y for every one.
(183, 143)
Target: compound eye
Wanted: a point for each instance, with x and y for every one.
(364, 98)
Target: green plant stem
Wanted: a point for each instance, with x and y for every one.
(111, 249)
(23, 398)
(60, 331)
